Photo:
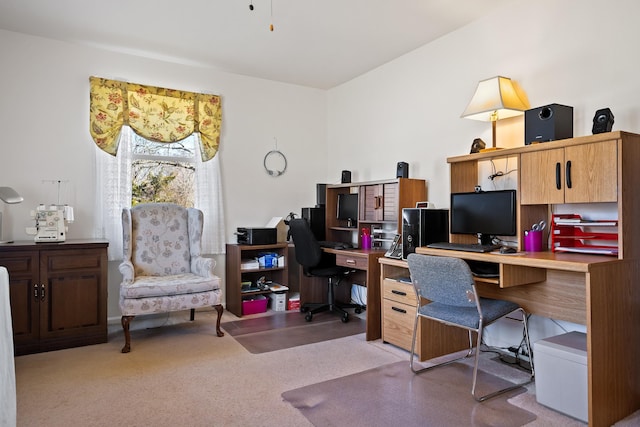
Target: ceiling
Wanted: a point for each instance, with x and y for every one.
(316, 43)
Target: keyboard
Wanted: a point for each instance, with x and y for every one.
(468, 247)
(334, 245)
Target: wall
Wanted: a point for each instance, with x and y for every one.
(44, 114)
(580, 53)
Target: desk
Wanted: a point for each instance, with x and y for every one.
(365, 260)
(600, 292)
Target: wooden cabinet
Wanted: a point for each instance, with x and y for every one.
(398, 316)
(236, 273)
(583, 173)
(58, 294)
(380, 205)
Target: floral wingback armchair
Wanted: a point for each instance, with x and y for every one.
(162, 268)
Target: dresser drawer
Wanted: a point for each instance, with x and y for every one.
(352, 261)
(399, 292)
(397, 325)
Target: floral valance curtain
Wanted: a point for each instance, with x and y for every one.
(157, 114)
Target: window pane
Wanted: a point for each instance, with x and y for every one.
(163, 181)
(185, 148)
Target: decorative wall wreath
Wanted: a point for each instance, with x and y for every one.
(271, 160)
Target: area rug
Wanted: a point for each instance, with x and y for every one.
(290, 329)
(393, 395)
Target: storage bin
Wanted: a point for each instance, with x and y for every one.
(294, 302)
(278, 301)
(254, 304)
(561, 374)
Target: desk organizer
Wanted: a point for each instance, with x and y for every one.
(572, 233)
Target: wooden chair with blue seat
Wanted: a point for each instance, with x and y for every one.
(446, 293)
(163, 269)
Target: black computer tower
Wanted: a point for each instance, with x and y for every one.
(315, 218)
(423, 226)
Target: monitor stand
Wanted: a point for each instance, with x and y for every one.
(485, 239)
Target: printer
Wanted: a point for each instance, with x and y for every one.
(257, 236)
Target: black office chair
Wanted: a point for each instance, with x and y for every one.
(317, 263)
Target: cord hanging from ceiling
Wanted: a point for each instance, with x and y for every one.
(270, 12)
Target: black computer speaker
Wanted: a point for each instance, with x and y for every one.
(548, 123)
(346, 177)
(402, 170)
(321, 194)
(602, 121)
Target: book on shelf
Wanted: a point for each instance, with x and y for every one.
(249, 264)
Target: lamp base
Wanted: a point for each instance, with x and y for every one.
(484, 150)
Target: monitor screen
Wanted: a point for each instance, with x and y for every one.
(488, 213)
(347, 207)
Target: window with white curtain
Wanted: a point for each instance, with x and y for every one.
(194, 183)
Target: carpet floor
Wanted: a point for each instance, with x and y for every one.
(290, 329)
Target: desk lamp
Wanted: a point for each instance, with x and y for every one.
(495, 99)
(10, 196)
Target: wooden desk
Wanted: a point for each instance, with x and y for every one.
(600, 292)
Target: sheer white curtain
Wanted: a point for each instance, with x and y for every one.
(208, 198)
(113, 193)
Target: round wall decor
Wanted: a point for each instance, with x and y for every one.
(275, 163)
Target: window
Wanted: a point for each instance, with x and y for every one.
(147, 163)
(163, 172)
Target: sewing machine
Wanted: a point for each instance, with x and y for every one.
(51, 223)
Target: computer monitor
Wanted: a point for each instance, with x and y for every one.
(347, 207)
(486, 214)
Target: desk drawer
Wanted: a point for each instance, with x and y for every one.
(397, 324)
(351, 261)
(399, 292)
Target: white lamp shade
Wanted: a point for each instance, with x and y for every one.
(9, 195)
(495, 98)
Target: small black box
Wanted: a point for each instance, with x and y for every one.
(257, 236)
(548, 123)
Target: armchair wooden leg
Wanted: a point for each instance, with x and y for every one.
(219, 309)
(127, 336)
(192, 314)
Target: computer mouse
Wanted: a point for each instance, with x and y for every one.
(507, 250)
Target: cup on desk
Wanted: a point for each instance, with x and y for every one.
(533, 240)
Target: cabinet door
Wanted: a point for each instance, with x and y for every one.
(390, 202)
(74, 300)
(592, 173)
(373, 203)
(24, 294)
(541, 173)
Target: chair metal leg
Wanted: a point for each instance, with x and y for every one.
(513, 387)
(426, 368)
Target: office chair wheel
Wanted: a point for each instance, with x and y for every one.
(308, 317)
(345, 318)
(358, 310)
(304, 309)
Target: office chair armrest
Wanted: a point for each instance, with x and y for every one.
(127, 270)
(203, 266)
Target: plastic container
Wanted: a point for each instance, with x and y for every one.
(254, 304)
(366, 238)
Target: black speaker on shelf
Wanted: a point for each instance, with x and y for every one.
(602, 121)
(423, 226)
(316, 219)
(346, 177)
(402, 171)
(321, 195)
(548, 123)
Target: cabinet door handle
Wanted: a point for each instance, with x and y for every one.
(42, 292)
(568, 174)
(558, 185)
(404, 294)
(400, 310)
(377, 202)
(35, 292)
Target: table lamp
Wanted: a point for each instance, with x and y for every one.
(10, 196)
(495, 99)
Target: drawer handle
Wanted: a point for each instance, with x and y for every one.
(350, 262)
(400, 310)
(404, 294)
